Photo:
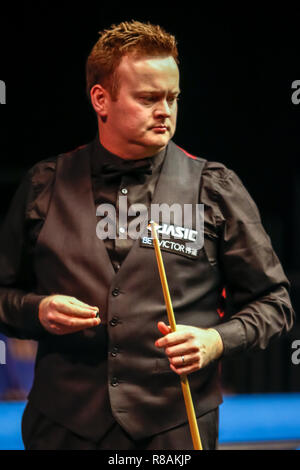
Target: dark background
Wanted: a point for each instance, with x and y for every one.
(237, 70)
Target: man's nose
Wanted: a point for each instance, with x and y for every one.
(163, 109)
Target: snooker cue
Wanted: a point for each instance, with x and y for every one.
(171, 317)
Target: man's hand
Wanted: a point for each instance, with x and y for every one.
(62, 314)
(198, 346)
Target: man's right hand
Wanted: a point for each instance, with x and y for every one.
(62, 314)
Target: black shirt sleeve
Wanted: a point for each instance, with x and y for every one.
(256, 285)
(18, 301)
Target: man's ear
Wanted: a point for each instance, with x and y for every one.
(99, 97)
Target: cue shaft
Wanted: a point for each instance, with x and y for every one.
(171, 317)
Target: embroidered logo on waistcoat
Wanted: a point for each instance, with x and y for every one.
(175, 239)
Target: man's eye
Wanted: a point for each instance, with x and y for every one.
(148, 99)
(173, 99)
(153, 99)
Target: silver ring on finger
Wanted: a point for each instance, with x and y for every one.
(182, 357)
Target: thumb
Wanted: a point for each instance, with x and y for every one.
(163, 328)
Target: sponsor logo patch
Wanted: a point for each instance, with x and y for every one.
(174, 239)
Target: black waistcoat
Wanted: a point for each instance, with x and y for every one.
(87, 380)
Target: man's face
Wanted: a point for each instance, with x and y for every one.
(142, 120)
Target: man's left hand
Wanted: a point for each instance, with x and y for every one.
(189, 348)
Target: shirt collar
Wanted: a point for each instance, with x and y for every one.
(101, 156)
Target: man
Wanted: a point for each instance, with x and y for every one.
(113, 382)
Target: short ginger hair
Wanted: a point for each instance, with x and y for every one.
(127, 37)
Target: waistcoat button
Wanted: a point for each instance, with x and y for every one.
(115, 292)
(114, 382)
(114, 351)
(114, 321)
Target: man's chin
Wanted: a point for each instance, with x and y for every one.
(156, 147)
(151, 146)
(159, 141)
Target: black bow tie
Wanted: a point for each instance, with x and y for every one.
(139, 169)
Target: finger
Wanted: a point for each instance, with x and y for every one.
(58, 329)
(177, 351)
(72, 309)
(183, 370)
(171, 339)
(74, 300)
(72, 322)
(177, 361)
(163, 328)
